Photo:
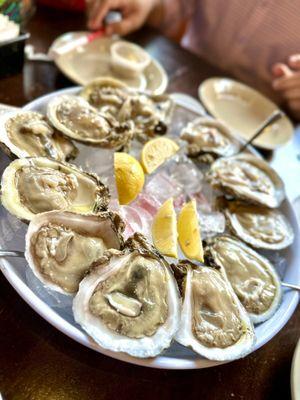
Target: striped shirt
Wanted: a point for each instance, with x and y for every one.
(244, 38)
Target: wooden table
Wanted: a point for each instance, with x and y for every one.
(38, 362)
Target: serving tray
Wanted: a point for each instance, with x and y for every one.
(56, 308)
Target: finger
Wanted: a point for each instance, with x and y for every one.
(123, 27)
(292, 94)
(92, 7)
(278, 70)
(99, 12)
(286, 82)
(294, 107)
(294, 61)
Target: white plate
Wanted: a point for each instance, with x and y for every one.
(12, 234)
(86, 63)
(295, 374)
(243, 109)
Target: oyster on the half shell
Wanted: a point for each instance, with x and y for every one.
(106, 94)
(28, 134)
(77, 119)
(248, 178)
(33, 185)
(129, 301)
(61, 245)
(150, 114)
(207, 136)
(252, 276)
(213, 321)
(260, 227)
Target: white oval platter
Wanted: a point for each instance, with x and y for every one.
(15, 270)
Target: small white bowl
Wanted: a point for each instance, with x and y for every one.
(128, 59)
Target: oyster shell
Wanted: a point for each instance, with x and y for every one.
(77, 119)
(258, 226)
(209, 136)
(61, 246)
(28, 134)
(213, 321)
(252, 276)
(106, 94)
(150, 114)
(248, 178)
(34, 185)
(129, 301)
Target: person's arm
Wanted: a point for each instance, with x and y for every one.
(134, 14)
(167, 15)
(287, 82)
(172, 16)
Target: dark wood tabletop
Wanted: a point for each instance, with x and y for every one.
(38, 362)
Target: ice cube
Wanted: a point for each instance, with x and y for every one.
(136, 148)
(99, 161)
(203, 202)
(181, 117)
(179, 202)
(136, 219)
(211, 223)
(186, 173)
(147, 202)
(161, 186)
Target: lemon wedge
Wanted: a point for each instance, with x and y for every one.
(164, 232)
(129, 176)
(156, 152)
(189, 233)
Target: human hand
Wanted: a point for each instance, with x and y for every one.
(287, 82)
(134, 13)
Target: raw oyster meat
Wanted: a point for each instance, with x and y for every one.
(77, 119)
(28, 134)
(209, 136)
(213, 321)
(60, 246)
(258, 226)
(150, 114)
(106, 94)
(252, 276)
(248, 178)
(34, 185)
(129, 301)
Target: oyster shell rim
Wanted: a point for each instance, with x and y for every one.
(155, 98)
(10, 198)
(238, 231)
(117, 226)
(274, 201)
(13, 151)
(85, 91)
(115, 140)
(185, 337)
(256, 319)
(135, 245)
(210, 121)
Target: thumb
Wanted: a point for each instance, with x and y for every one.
(294, 61)
(280, 69)
(123, 27)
